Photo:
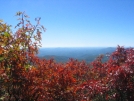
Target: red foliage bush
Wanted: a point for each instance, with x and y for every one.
(25, 77)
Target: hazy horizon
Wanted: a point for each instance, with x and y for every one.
(87, 54)
(89, 47)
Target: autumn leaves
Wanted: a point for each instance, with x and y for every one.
(25, 77)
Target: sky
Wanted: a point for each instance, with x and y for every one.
(77, 23)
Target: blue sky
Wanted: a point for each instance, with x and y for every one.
(77, 23)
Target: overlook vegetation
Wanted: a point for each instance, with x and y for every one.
(25, 77)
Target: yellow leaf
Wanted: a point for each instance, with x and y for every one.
(3, 27)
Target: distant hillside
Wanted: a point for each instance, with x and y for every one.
(56, 58)
(63, 54)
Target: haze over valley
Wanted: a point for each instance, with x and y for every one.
(64, 54)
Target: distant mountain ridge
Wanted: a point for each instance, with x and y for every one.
(63, 54)
(56, 58)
